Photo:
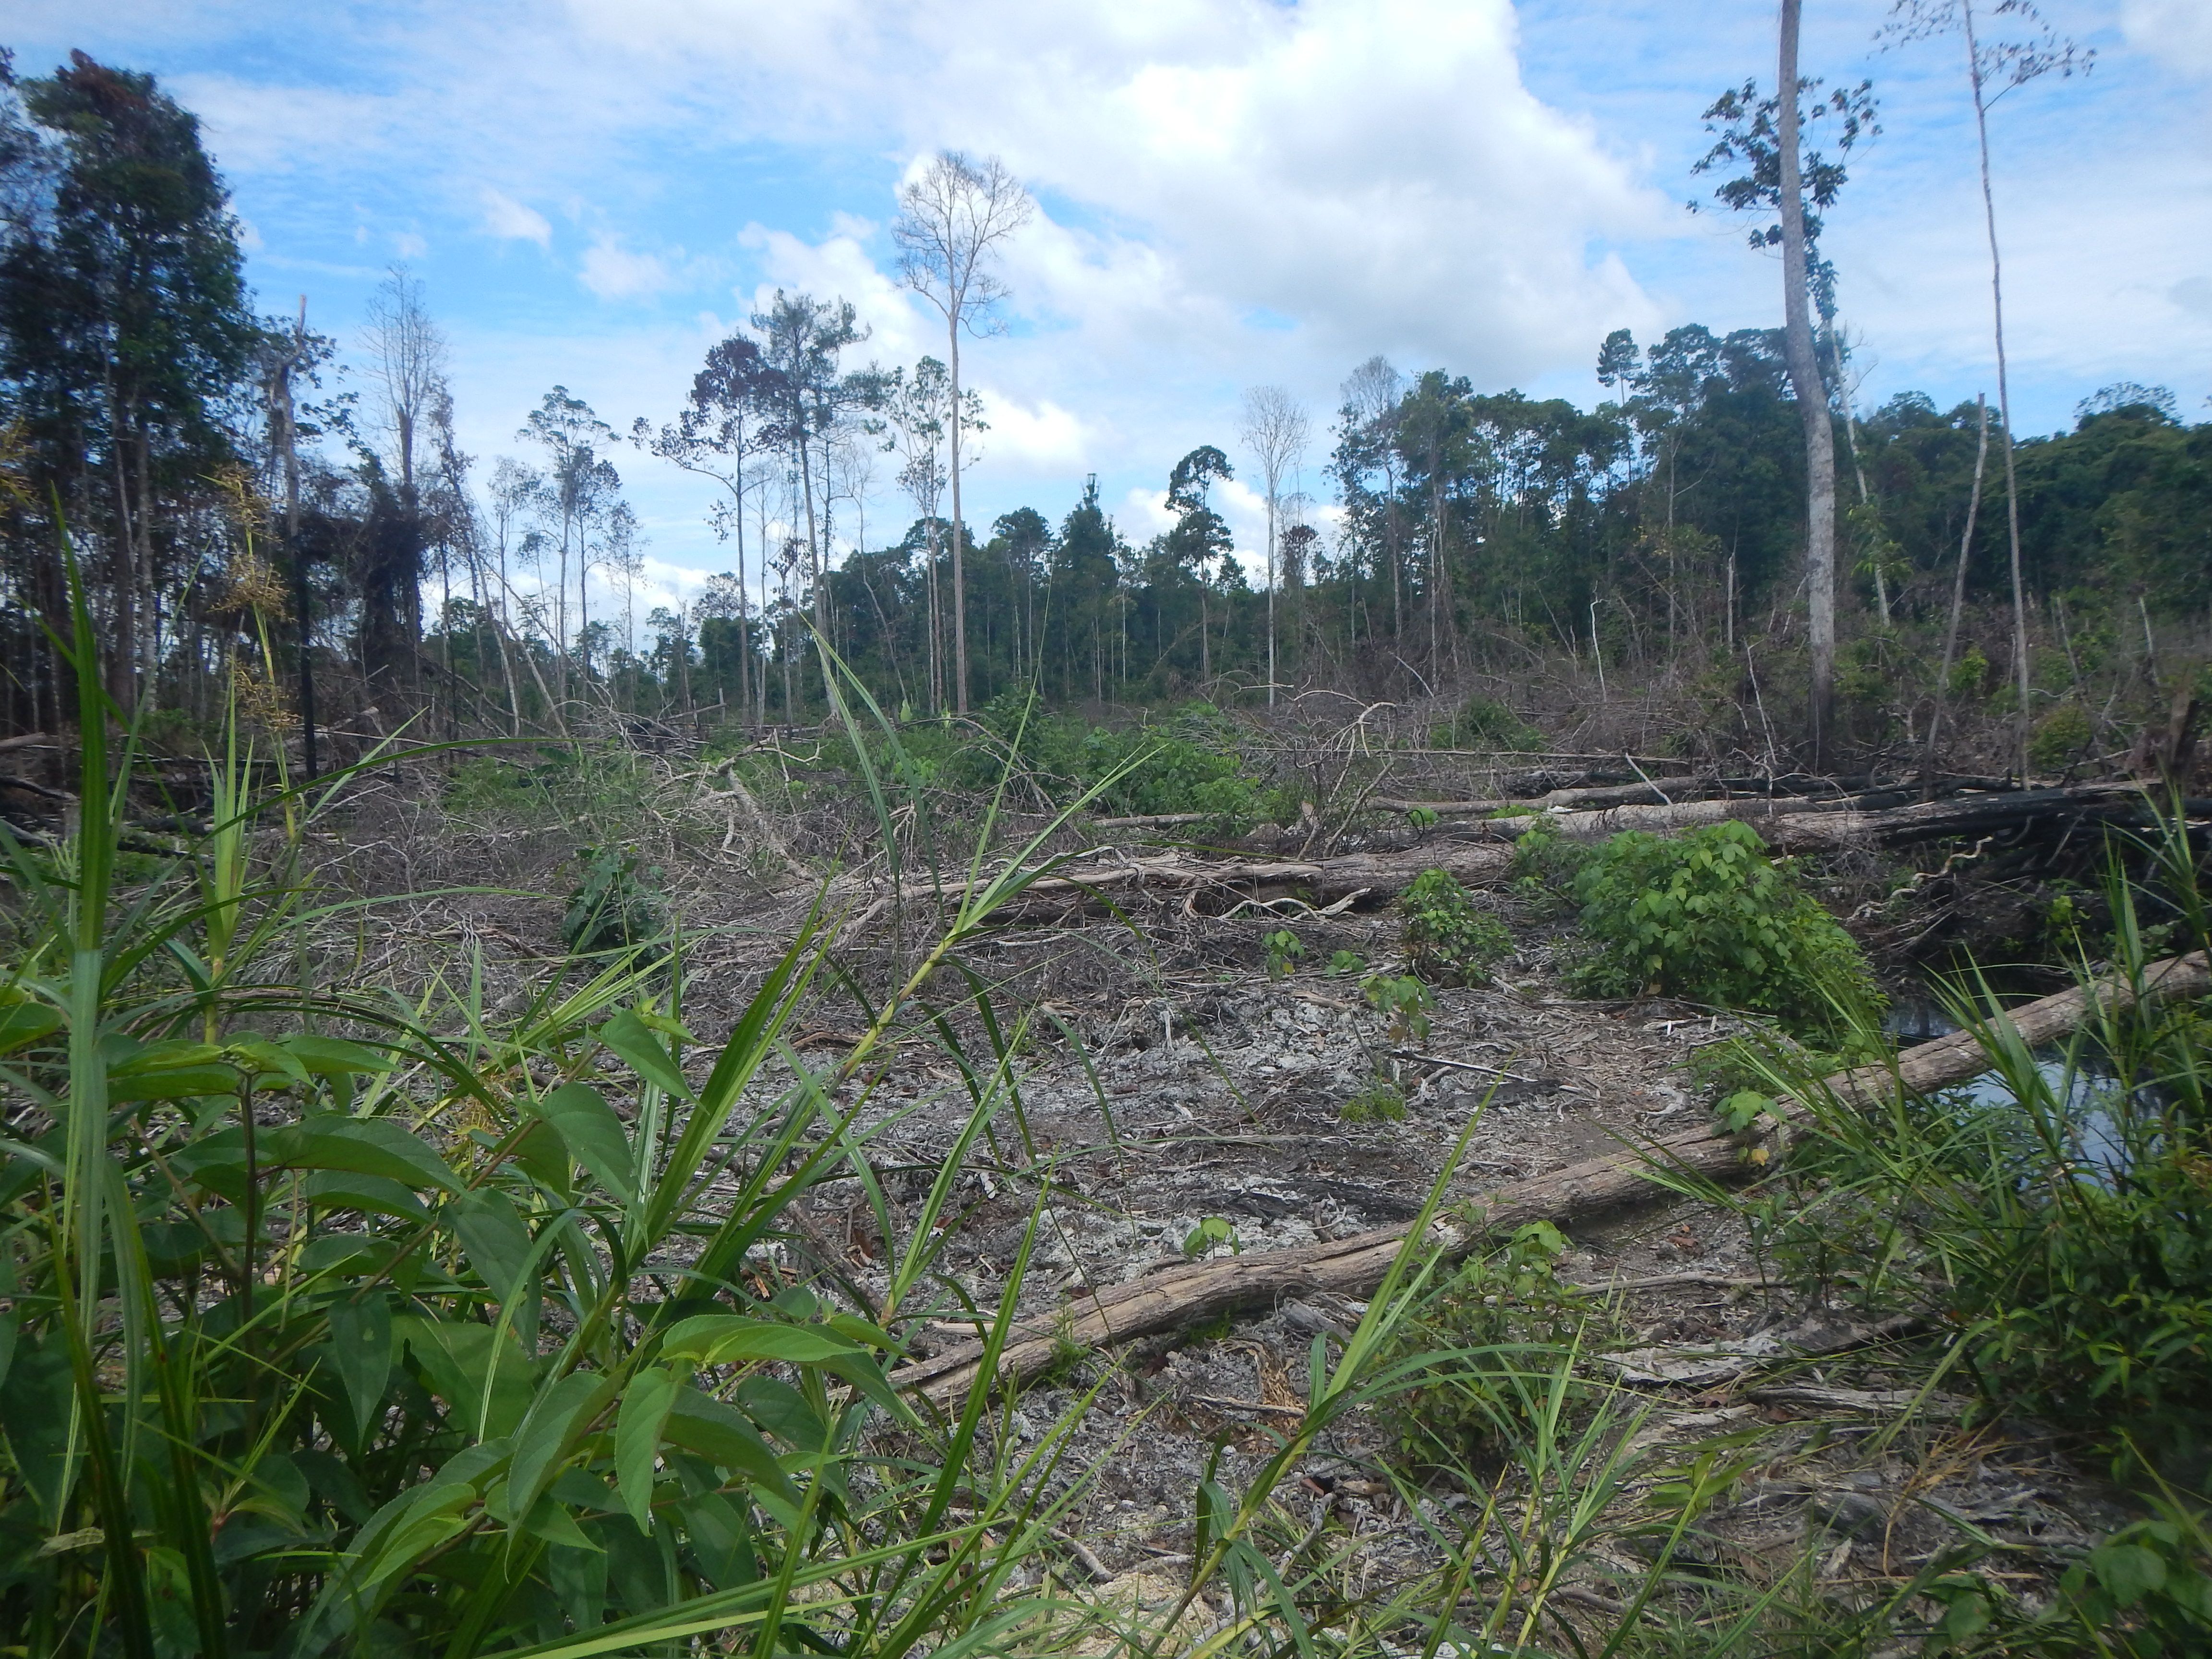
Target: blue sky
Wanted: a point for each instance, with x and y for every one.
(1230, 194)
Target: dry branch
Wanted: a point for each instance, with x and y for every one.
(1189, 1294)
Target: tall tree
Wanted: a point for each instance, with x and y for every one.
(123, 329)
(1276, 431)
(952, 218)
(1199, 539)
(580, 485)
(2007, 65)
(802, 338)
(407, 358)
(733, 420)
(287, 357)
(1768, 137)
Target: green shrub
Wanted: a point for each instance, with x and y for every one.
(1404, 999)
(1545, 864)
(1708, 916)
(1496, 1328)
(1448, 941)
(1969, 673)
(1381, 1101)
(2060, 738)
(1341, 963)
(1284, 952)
(613, 907)
(1485, 723)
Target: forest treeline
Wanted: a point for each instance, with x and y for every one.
(240, 501)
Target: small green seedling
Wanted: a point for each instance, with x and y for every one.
(1422, 817)
(1346, 962)
(1284, 952)
(1404, 999)
(1208, 1234)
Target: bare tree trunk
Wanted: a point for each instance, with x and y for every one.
(2004, 396)
(1812, 404)
(959, 536)
(1957, 599)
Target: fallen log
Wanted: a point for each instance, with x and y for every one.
(1800, 824)
(1190, 1293)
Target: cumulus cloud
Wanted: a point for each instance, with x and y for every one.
(511, 221)
(613, 273)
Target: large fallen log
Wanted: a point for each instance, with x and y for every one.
(1189, 1294)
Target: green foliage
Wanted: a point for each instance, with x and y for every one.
(1422, 817)
(1341, 963)
(1545, 865)
(1496, 1327)
(2060, 738)
(1284, 952)
(334, 1324)
(1708, 916)
(1404, 999)
(614, 907)
(1970, 673)
(1210, 1234)
(2056, 1219)
(1380, 1100)
(1447, 940)
(1485, 723)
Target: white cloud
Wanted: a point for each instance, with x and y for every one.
(2176, 32)
(511, 221)
(409, 245)
(1040, 439)
(612, 272)
(839, 267)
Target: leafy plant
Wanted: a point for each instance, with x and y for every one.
(1341, 963)
(1708, 916)
(612, 908)
(1505, 1315)
(2060, 738)
(1404, 999)
(1423, 818)
(1211, 1233)
(1485, 723)
(401, 1332)
(1546, 863)
(1447, 940)
(1284, 952)
(1381, 1100)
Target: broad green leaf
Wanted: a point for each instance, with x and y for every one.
(368, 1146)
(346, 1189)
(34, 1414)
(22, 1023)
(718, 1433)
(630, 1038)
(722, 1541)
(638, 1425)
(326, 1056)
(549, 1520)
(457, 1356)
(360, 1348)
(266, 1058)
(555, 1419)
(492, 1233)
(2128, 1571)
(170, 1070)
(593, 1135)
(730, 1338)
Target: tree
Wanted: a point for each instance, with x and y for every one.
(124, 331)
(580, 485)
(802, 339)
(734, 419)
(953, 217)
(407, 363)
(1275, 431)
(286, 358)
(2009, 65)
(1767, 135)
(1200, 537)
(915, 417)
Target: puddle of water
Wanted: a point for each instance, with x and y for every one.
(2090, 1093)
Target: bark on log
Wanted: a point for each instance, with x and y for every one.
(1189, 1294)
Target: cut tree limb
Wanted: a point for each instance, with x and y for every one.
(1187, 1294)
